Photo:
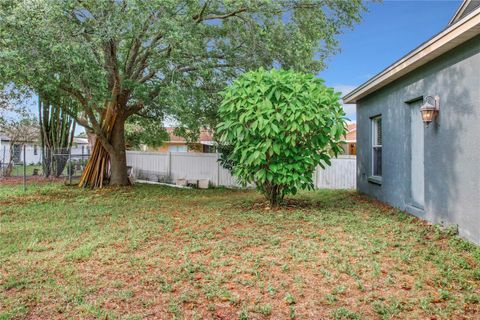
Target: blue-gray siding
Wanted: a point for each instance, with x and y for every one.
(452, 147)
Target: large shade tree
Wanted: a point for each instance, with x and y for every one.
(119, 58)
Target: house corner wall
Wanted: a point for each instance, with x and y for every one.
(452, 145)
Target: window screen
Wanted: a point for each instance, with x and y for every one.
(377, 146)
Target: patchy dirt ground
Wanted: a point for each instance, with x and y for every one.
(13, 181)
(151, 252)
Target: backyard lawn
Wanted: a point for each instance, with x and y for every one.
(161, 253)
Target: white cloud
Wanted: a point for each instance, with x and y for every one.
(350, 109)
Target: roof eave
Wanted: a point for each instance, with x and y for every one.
(459, 11)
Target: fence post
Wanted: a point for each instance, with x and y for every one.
(3, 162)
(69, 167)
(24, 168)
(169, 163)
(218, 169)
(315, 176)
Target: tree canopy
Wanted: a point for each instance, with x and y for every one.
(115, 59)
(280, 125)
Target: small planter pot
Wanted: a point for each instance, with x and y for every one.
(203, 183)
(181, 182)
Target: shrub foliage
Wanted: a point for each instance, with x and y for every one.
(279, 125)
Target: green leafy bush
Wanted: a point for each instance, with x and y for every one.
(278, 126)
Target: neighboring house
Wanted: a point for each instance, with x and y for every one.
(205, 143)
(80, 147)
(431, 172)
(350, 146)
(32, 151)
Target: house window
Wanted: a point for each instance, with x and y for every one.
(35, 150)
(208, 149)
(17, 153)
(178, 148)
(377, 146)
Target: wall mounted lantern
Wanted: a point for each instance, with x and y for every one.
(430, 109)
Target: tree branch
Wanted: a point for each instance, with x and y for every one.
(134, 109)
(111, 65)
(199, 17)
(222, 16)
(91, 116)
(134, 49)
(189, 69)
(142, 64)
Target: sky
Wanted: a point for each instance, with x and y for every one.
(389, 30)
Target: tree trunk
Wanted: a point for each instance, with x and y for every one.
(9, 168)
(46, 161)
(273, 194)
(108, 162)
(118, 158)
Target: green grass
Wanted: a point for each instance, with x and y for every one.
(17, 170)
(158, 252)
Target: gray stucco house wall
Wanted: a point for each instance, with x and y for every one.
(451, 145)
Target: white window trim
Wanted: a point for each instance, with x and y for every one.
(374, 178)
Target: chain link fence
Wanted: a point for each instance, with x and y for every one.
(29, 163)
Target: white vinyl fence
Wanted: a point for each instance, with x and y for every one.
(342, 174)
(168, 167)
